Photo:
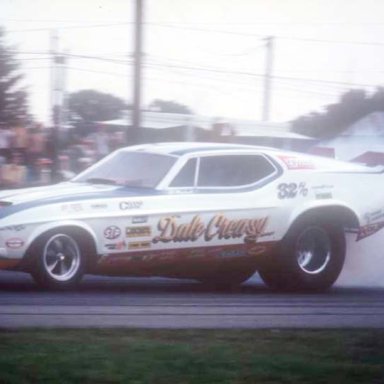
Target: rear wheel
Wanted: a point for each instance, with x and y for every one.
(58, 260)
(309, 258)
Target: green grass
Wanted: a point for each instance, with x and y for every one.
(191, 356)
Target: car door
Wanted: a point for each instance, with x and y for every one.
(219, 202)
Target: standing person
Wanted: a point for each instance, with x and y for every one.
(14, 174)
(20, 140)
(5, 143)
(35, 150)
(65, 171)
(117, 140)
(101, 141)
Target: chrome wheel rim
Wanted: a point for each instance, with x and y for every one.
(313, 250)
(61, 257)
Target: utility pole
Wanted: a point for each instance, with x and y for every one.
(268, 78)
(55, 110)
(134, 137)
(54, 41)
(57, 99)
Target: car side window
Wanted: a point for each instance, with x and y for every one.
(186, 176)
(233, 170)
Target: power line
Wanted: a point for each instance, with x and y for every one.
(171, 26)
(217, 70)
(210, 69)
(249, 34)
(199, 85)
(222, 71)
(188, 65)
(70, 27)
(212, 22)
(341, 83)
(263, 22)
(312, 40)
(220, 31)
(71, 55)
(99, 72)
(115, 61)
(32, 58)
(116, 74)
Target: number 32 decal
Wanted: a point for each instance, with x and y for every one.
(291, 190)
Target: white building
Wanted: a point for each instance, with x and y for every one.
(160, 126)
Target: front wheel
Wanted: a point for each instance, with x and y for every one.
(309, 258)
(58, 261)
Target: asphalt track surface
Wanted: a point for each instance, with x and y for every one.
(167, 303)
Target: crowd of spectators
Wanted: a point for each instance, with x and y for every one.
(26, 154)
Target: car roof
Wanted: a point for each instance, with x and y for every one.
(183, 148)
(178, 149)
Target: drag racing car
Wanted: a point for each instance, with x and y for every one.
(211, 212)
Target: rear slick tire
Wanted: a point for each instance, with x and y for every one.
(309, 258)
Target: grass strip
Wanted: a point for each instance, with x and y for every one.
(191, 356)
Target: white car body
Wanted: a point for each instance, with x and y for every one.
(184, 229)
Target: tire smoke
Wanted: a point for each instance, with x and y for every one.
(364, 263)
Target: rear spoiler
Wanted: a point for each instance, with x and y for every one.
(370, 159)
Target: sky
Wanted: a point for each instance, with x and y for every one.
(207, 54)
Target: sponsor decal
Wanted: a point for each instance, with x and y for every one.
(219, 227)
(374, 216)
(136, 258)
(322, 192)
(257, 250)
(323, 186)
(119, 260)
(99, 206)
(139, 245)
(291, 190)
(139, 252)
(233, 253)
(14, 243)
(294, 163)
(163, 256)
(112, 232)
(369, 230)
(147, 257)
(323, 196)
(121, 245)
(73, 207)
(214, 252)
(138, 231)
(196, 253)
(15, 228)
(125, 205)
(267, 234)
(139, 219)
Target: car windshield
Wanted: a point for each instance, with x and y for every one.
(134, 169)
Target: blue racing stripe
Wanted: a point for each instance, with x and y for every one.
(119, 192)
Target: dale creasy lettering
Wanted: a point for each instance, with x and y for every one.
(219, 227)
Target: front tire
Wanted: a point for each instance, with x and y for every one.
(58, 260)
(309, 258)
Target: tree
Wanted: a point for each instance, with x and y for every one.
(353, 105)
(86, 107)
(169, 106)
(13, 98)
